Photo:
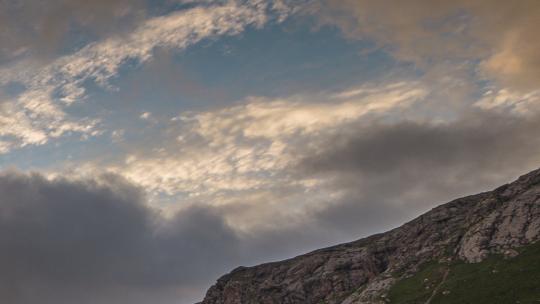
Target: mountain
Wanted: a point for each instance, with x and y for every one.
(476, 249)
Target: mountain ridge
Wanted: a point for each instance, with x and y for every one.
(467, 229)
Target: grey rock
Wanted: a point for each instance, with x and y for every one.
(362, 271)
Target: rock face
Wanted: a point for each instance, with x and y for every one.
(468, 228)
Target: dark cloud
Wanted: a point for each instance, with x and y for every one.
(44, 28)
(96, 241)
(79, 241)
(388, 173)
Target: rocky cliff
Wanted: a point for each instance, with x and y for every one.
(467, 229)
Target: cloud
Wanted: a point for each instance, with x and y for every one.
(388, 173)
(249, 145)
(39, 112)
(96, 241)
(145, 115)
(515, 102)
(33, 120)
(349, 162)
(498, 34)
(261, 179)
(62, 237)
(288, 162)
(41, 29)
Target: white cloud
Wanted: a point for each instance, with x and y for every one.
(272, 119)
(117, 136)
(507, 100)
(40, 110)
(250, 145)
(145, 115)
(242, 158)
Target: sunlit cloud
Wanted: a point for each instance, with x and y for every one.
(50, 90)
(496, 37)
(507, 100)
(250, 146)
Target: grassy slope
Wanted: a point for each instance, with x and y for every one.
(495, 280)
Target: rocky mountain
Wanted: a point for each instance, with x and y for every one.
(465, 231)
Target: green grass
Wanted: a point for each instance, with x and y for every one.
(496, 280)
(418, 288)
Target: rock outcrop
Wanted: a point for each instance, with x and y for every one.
(468, 228)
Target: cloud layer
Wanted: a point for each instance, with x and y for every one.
(499, 34)
(249, 145)
(42, 28)
(97, 241)
(39, 112)
(62, 237)
(94, 241)
(167, 202)
(389, 171)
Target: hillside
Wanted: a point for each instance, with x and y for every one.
(465, 251)
(494, 280)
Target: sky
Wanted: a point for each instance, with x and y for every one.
(148, 147)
